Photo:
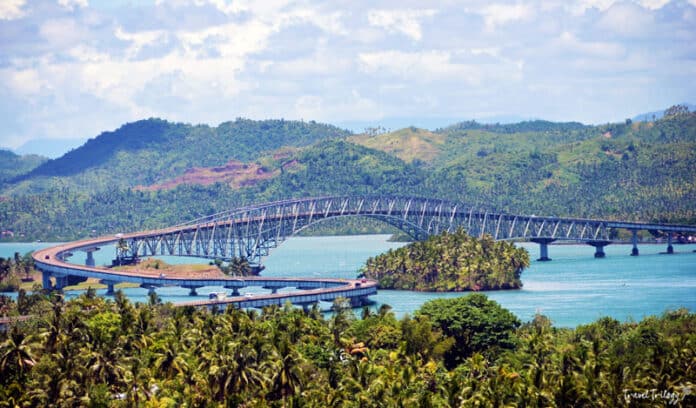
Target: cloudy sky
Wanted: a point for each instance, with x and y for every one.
(74, 68)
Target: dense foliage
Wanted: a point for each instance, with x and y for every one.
(13, 270)
(13, 165)
(450, 262)
(476, 324)
(95, 352)
(633, 171)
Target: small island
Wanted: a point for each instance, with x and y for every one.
(450, 262)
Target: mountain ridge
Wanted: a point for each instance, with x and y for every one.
(634, 171)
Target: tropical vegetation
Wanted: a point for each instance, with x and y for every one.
(14, 270)
(97, 352)
(450, 262)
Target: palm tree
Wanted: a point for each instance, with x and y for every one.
(289, 376)
(16, 355)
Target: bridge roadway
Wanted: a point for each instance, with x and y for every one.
(50, 261)
(250, 232)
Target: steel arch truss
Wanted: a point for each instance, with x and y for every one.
(251, 232)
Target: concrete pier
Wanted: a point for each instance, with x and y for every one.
(543, 248)
(46, 280)
(670, 248)
(599, 248)
(634, 241)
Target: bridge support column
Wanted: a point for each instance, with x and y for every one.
(46, 280)
(670, 248)
(90, 258)
(358, 301)
(306, 307)
(273, 289)
(634, 241)
(192, 290)
(109, 286)
(599, 248)
(543, 248)
(61, 282)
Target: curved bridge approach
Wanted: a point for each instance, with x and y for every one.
(251, 232)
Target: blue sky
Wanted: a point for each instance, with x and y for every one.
(70, 69)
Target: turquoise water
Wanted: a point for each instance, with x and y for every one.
(574, 288)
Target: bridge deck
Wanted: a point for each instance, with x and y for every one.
(312, 290)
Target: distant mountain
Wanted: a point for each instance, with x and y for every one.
(396, 123)
(651, 116)
(154, 150)
(12, 165)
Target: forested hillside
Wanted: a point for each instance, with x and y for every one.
(154, 173)
(13, 165)
(152, 151)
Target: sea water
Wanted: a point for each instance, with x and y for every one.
(574, 288)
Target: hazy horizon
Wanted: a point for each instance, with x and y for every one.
(71, 69)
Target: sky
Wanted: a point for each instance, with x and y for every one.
(71, 69)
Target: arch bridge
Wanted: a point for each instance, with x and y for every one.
(251, 232)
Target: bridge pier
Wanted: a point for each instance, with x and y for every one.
(61, 282)
(46, 280)
(543, 248)
(634, 241)
(358, 301)
(273, 289)
(306, 306)
(192, 290)
(599, 248)
(89, 261)
(670, 248)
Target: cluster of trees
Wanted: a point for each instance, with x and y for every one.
(95, 352)
(13, 270)
(450, 262)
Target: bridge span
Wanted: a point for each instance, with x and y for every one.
(251, 232)
(51, 262)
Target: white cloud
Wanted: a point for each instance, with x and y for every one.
(335, 62)
(11, 9)
(580, 6)
(27, 83)
(627, 19)
(653, 4)
(406, 22)
(567, 42)
(59, 33)
(139, 39)
(72, 4)
(500, 14)
(432, 66)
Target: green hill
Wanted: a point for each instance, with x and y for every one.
(153, 151)
(154, 173)
(13, 165)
